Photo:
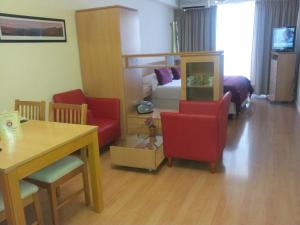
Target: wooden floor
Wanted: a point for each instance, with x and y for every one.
(258, 182)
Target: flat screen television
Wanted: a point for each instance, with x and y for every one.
(284, 39)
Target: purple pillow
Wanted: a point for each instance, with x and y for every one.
(176, 73)
(163, 76)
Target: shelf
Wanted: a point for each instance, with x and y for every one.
(152, 66)
(202, 76)
(202, 86)
(155, 114)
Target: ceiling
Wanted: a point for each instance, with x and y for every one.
(81, 4)
(173, 3)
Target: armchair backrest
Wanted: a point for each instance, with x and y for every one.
(70, 97)
(206, 107)
(224, 104)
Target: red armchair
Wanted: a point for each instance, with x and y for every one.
(102, 112)
(197, 132)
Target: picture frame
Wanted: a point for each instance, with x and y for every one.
(19, 28)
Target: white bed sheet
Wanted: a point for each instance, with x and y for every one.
(171, 90)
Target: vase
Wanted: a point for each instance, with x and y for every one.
(152, 131)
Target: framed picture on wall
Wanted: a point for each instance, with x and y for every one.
(17, 28)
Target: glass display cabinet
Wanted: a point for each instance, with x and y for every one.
(202, 76)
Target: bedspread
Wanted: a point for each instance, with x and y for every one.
(240, 88)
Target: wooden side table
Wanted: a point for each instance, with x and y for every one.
(136, 122)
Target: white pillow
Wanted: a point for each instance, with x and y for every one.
(150, 80)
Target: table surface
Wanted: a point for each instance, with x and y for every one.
(140, 141)
(35, 139)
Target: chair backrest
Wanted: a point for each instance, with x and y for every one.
(70, 97)
(32, 110)
(67, 113)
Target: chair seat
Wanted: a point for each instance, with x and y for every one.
(57, 170)
(26, 190)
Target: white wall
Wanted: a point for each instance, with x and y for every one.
(297, 49)
(173, 3)
(298, 96)
(155, 18)
(34, 71)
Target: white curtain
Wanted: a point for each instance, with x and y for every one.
(234, 36)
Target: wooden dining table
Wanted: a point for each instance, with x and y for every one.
(37, 145)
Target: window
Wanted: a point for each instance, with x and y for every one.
(235, 23)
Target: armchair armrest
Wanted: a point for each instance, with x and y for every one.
(104, 107)
(185, 123)
(197, 107)
(193, 133)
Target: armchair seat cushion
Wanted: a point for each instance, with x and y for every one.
(26, 190)
(58, 169)
(108, 129)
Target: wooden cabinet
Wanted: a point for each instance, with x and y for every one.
(282, 77)
(136, 122)
(104, 35)
(202, 76)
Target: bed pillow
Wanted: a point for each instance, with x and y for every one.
(163, 76)
(176, 73)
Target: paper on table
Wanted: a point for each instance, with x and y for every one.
(9, 124)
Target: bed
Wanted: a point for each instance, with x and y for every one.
(168, 95)
(241, 89)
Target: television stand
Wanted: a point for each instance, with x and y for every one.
(282, 75)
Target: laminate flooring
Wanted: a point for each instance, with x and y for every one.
(257, 182)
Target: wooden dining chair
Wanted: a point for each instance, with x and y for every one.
(53, 176)
(31, 110)
(29, 194)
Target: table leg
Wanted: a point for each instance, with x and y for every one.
(95, 174)
(12, 199)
